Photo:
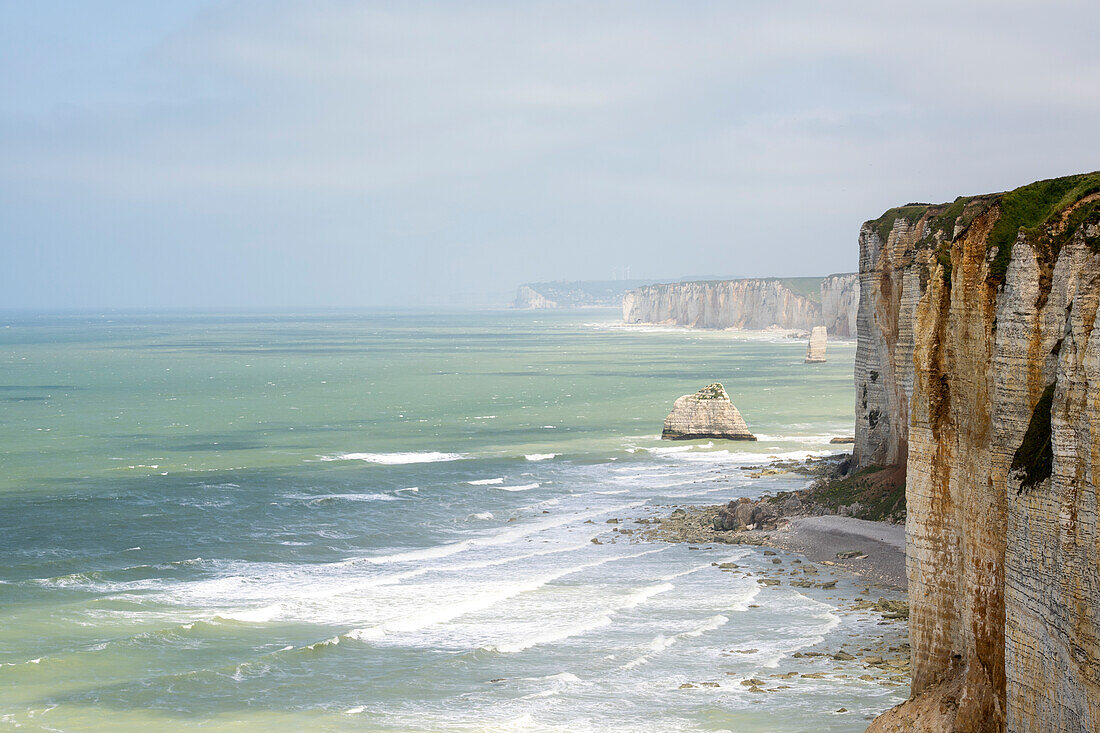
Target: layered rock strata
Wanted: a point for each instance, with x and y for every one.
(706, 414)
(749, 304)
(978, 369)
(840, 304)
(815, 351)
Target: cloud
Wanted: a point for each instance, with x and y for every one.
(410, 141)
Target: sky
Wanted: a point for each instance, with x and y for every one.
(202, 154)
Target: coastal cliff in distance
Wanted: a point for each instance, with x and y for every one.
(978, 370)
(758, 303)
(574, 294)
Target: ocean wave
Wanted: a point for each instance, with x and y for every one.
(504, 537)
(738, 457)
(664, 450)
(521, 487)
(327, 498)
(661, 642)
(541, 456)
(481, 601)
(561, 633)
(486, 481)
(760, 437)
(396, 459)
(558, 633)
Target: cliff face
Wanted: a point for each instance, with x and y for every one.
(977, 367)
(574, 294)
(528, 297)
(840, 304)
(751, 304)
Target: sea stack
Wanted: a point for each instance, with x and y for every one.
(706, 414)
(815, 354)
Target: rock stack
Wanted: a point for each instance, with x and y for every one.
(815, 354)
(706, 414)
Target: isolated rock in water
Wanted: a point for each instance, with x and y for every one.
(706, 414)
(815, 354)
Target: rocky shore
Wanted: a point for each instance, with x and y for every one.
(872, 550)
(802, 541)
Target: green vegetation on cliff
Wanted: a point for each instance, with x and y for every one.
(910, 213)
(1035, 456)
(1047, 212)
(875, 493)
(1036, 209)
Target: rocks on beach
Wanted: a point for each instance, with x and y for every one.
(708, 413)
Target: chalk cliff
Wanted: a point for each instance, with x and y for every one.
(528, 297)
(792, 303)
(574, 294)
(840, 304)
(706, 414)
(978, 368)
(815, 351)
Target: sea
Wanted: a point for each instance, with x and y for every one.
(384, 521)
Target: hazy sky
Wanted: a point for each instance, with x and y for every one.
(285, 154)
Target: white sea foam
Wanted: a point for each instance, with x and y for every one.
(665, 450)
(486, 481)
(503, 537)
(521, 487)
(557, 633)
(560, 633)
(761, 437)
(541, 456)
(737, 457)
(480, 515)
(323, 498)
(391, 459)
(661, 642)
(438, 614)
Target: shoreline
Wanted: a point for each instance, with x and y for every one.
(855, 565)
(796, 522)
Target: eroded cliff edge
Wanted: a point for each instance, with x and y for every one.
(757, 303)
(977, 368)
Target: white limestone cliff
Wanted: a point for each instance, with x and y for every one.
(747, 304)
(815, 350)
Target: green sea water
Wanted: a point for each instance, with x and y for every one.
(382, 521)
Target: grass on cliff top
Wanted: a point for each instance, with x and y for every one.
(1034, 207)
(910, 212)
(808, 287)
